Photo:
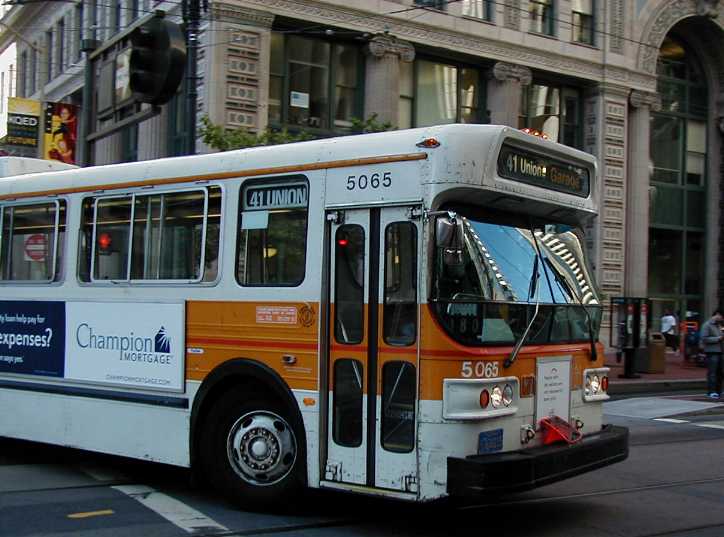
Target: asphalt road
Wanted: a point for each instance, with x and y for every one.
(672, 485)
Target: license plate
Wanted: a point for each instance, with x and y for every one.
(490, 441)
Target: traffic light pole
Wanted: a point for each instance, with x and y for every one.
(193, 16)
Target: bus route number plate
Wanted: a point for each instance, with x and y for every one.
(490, 441)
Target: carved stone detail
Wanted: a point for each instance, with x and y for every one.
(512, 14)
(616, 16)
(382, 45)
(241, 15)
(707, 8)
(503, 72)
(474, 44)
(672, 11)
(639, 99)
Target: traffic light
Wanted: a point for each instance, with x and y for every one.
(158, 59)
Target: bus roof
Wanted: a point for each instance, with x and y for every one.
(467, 155)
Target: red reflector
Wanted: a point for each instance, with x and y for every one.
(604, 384)
(429, 143)
(104, 241)
(484, 399)
(556, 429)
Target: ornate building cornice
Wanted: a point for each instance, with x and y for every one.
(415, 32)
(382, 45)
(241, 15)
(503, 72)
(639, 99)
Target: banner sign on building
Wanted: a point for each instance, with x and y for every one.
(32, 337)
(23, 122)
(61, 132)
(145, 349)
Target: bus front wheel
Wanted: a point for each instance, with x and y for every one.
(251, 451)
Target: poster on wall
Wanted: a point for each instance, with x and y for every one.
(138, 345)
(61, 132)
(32, 337)
(23, 122)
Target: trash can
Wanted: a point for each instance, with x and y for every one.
(657, 353)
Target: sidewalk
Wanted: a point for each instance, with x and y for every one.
(678, 375)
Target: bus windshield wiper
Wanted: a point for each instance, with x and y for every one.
(563, 283)
(532, 291)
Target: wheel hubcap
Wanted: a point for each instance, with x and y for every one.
(261, 448)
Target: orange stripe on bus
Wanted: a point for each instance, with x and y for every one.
(346, 163)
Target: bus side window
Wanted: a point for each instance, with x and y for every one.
(85, 240)
(347, 409)
(171, 233)
(398, 406)
(400, 311)
(349, 284)
(28, 246)
(272, 239)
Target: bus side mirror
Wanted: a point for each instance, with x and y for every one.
(449, 238)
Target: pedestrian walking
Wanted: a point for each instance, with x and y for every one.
(712, 340)
(668, 328)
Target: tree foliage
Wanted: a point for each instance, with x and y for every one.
(223, 139)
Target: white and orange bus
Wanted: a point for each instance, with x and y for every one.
(406, 314)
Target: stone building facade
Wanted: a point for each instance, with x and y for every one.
(638, 83)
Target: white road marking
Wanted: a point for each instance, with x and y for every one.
(710, 425)
(671, 420)
(176, 512)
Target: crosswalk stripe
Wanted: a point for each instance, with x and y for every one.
(173, 510)
(710, 425)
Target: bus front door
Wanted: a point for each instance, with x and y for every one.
(373, 348)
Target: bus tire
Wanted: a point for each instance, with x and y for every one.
(251, 452)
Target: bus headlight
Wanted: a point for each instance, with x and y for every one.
(496, 397)
(595, 384)
(507, 395)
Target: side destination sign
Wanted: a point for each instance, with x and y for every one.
(543, 171)
(281, 196)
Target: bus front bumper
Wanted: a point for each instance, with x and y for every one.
(516, 471)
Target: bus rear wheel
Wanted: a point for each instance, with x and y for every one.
(250, 450)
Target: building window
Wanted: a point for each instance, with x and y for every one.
(678, 184)
(315, 84)
(33, 70)
(555, 111)
(79, 29)
(60, 46)
(133, 10)
(177, 133)
(434, 4)
(434, 93)
(116, 17)
(24, 89)
(541, 17)
(48, 56)
(479, 9)
(582, 15)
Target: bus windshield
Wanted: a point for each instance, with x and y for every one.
(486, 286)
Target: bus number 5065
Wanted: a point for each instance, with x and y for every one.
(479, 369)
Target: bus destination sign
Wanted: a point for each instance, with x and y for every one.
(543, 171)
(282, 196)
